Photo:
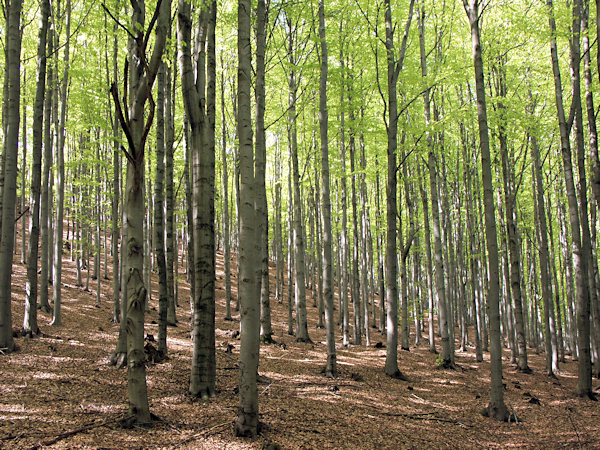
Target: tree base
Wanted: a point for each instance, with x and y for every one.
(131, 422)
(587, 395)
(204, 393)
(118, 359)
(44, 308)
(498, 412)
(329, 372)
(30, 334)
(267, 339)
(444, 364)
(397, 375)
(247, 425)
(526, 370)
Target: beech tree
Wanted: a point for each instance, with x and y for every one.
(141, 74)
(11, 151)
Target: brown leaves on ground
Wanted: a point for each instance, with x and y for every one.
(58, 390)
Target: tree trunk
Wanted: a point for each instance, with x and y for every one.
(578, 219)
(394, 65)
(225, 182)
(344, 312)
(328, 286)
(202, 382)
(159, 230)
(496, 408)
(170, 244)
(511, 225)
(116, 197)
(439, 263)
(247, 423)
(141, 78)
(11, 150)
(262, 210)
(30, 325)
(551, 355)
(299, 264)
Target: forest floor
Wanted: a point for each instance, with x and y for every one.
(58, 390)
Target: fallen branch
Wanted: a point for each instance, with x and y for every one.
(427, 416)
(67, 434)
(203, 433)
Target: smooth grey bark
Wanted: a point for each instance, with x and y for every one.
(344, 312)
(577, 218)
(439, 262)
(9, 190)
(327, 258)
(158, 226)
(170, 244)
(116, 197)
(394, 65)
(299, 248)
(354, 261)
(559, 346)
(22, 209)
(247, 423)
(595, 182)
(510, 196)
(290, 261)
(406, 246)
(225, 183)
(262, 211)
(427, 112)
(141, 77)
(44, 305)
(198, 85)
(278, 238)
(427, 227)
(30, 325)
(496, 408)
(318, 249)
(550, 335)
(380, 256)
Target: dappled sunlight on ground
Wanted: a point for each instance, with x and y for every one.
(61, 383)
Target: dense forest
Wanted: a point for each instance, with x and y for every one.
(196, 191)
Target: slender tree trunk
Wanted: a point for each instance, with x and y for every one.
(291, 262)
(328, 286)
(394, 65)
(355, 280)
(30, 325)
(551, 355)
(511, 225)
(262, 211)
(47, 162)
(11, 149)
(439, 263)
(344, 236)
(199, 102)
(116, 198)
(60, 180)
(578, 218)
(170, 244)
(136, 126)
(247, 423)
(23, 182)
(159, 230)
(225, 182)
(299, 264)
(496, 408)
